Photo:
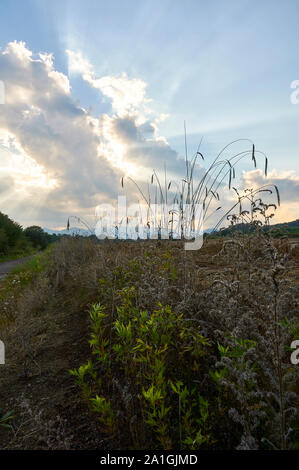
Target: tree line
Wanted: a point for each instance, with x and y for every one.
(14, 240)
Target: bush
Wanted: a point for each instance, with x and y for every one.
(143, 377)
(209, 367)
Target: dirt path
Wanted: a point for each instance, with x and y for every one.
(7, 266)
(49, 410)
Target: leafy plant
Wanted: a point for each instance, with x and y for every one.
(142, 362)
(4, 419)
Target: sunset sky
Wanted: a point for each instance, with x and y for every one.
(95, 90)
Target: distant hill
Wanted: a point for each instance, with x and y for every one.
(290, 228)
(293, 224)
(82, 232)
(72, 231)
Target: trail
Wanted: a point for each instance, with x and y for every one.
(7, 266)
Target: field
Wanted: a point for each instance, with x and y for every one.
(143, 345)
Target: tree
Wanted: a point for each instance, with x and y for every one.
(12, 229)
(37, 236)
(4, 246)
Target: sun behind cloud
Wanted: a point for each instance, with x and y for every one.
(55, 145)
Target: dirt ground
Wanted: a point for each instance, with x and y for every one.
(49, 412)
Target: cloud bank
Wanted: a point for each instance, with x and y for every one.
(58, 159)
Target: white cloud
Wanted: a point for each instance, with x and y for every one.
(288, 186)
(52, 145)
(130, 137)
(128, 95)
(77, 63)
(50, 142)
(286, 181)
(57, 159)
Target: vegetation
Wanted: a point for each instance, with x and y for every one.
(205, 369)
(151, 359)
(168, 348)
(289, 229)
(5, 418)
(180, 209)
(12, 239)
(16, 242)
(186, 350)
(38, 238)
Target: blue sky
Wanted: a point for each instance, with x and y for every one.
(224, 67)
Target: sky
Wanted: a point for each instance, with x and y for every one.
(98, 90)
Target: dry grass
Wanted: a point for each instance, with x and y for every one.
(223, 288)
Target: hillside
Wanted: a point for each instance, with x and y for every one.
(290, 229)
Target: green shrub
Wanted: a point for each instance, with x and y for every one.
(143, 375)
